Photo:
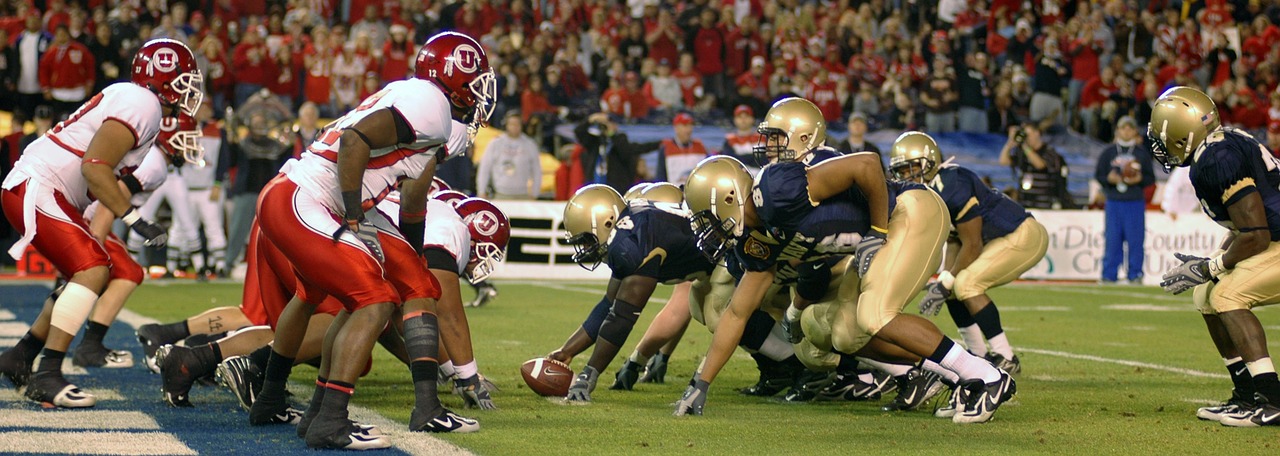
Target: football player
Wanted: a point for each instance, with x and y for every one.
(644, 243)
(1236, 179)
(998, 241)
(398, 133)
(48, 189)
(819, 214)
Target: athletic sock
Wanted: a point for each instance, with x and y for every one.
(964, 364)
(1264, 378)
(50, 360)
(775, 344)
(639, 358)
(1240, 377)
(332, 416)
(848, 364)
(29, 347)
(260, 357)
(174, 332)
(313, 408)
(467, 370)
(969, 331)
(988, 320)
(447, 370)
(948, 376)
(422, 342)
(274, 380)
(892, 369)
(94, 332)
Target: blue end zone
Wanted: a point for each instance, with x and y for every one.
(216, 425)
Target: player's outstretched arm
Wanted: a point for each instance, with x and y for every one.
(862, 170)
(746, 299)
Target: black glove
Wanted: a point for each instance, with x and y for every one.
(154, 234)
(366, 233)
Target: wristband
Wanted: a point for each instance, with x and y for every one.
(1215, 266)
(131, 216)
(879, 229)
(946, 279)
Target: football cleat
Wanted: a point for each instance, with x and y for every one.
(178, 371)
(915, 387)
(96, 355)
(238, 374)
(446, 421)
(350, 436)
(52, 388)
(484, 294)
(953, 404)
(806, 385)
(1263, 413)
(152, 338)
(15, 368)
(848, 387)
(1012, 366)
(1235, 404)
(978, 401)
(656, 370)
(627, 376)
(774, 377)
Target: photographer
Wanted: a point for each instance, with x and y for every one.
(608, 157)
(1040, 171)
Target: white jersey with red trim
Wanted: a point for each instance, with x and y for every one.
(54, 159)
(444, 230)
(422, 105)
(151, 174)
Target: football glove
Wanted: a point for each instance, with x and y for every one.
(627, 377)
(366, 233)
(791, 325)
(934, 296)
(1193, 271)
(474, 392)
(582, 386)
(694, 399)
(656, 370)
(866, 251)
(154, 234)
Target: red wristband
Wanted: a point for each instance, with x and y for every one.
(95, 161)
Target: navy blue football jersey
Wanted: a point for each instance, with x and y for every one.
(1231, 165)
(655, 240)
(786, 274)
(967, 197)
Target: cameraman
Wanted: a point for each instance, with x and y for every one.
(608, 157)
(1040, 171)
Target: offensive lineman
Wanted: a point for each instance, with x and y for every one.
(49, 188)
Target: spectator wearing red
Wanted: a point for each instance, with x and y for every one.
(690, 80)
(740, 141)
(1098, 90)
(822, 92)
(677, 156)
(396, 53)
(67, 72)
(56, 16)
(1083, 50)
(468, 20)
(756, 79)
(318, 83)
(348, 72)
(533, 100)
(254, 68)
(708, 44)
(626, 100)
(742, 44)
(664, 38)
(868, 66)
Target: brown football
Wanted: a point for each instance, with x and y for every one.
(1133, 170)
(547, 377)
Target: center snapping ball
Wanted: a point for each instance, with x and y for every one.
(547, 377)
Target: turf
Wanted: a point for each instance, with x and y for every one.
(1064, 405)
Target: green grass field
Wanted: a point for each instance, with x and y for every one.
(1106, 370)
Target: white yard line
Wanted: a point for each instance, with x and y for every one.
(410, 442)
(590, 291)
(1108, 292)
(83, 442)
(1124, 362)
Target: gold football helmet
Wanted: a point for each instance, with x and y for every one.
(589, 220)
(717, 192)
(635, 191)
(791, 128)
(663, 192)
(914, 157)
(1180, 121)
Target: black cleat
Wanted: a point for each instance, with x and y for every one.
(1263, 413)
(656, 370)
(179, 369)
(915, 387)
(239, 375)
(52, 388)
(1011, 365)
(96, 355)
(15, 368)
(805, 386)
(978, 401)
(1238, 402)
(344, 435)
(152, 337)
(848, 387)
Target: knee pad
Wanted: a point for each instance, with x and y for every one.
(617, 326)
(757, 329)
(816, 359)
(849, 339)
(1200, 296)
(72, 307)
(596, 318)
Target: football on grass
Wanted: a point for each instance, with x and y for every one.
(547, 377)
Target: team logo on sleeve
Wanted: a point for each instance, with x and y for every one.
(465, 58)
(756, 248)
(165, 60)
